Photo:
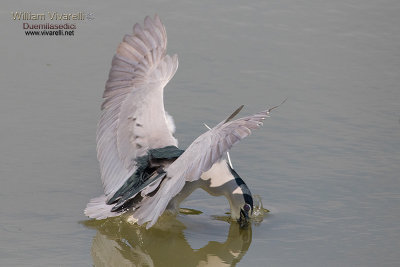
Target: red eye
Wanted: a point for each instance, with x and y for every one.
(247, 207)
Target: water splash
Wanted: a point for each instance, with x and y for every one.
(259, 212)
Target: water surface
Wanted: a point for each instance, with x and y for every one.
(326, 164)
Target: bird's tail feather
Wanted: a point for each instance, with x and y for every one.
(98, 209)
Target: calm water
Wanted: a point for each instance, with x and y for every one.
(326, 164)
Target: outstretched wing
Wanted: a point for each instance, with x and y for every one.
(198, 158)
(133, 118)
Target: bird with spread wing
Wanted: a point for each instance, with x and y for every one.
(143, 171)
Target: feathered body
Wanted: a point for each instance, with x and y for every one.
(142, 169)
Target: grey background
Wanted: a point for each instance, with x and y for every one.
(326, 163)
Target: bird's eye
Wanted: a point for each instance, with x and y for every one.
(246, 207)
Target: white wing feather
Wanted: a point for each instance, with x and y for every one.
(133, 118)
(207, 149)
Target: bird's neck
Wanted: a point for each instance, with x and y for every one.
(218, 181)
(221, 179)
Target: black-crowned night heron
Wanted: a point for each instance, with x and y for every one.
(142, 170)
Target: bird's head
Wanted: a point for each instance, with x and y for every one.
(241, 201)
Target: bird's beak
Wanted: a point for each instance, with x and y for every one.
(244, 218)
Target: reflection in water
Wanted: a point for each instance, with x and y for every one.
(118, 243)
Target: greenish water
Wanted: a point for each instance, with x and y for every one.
(326, 164)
